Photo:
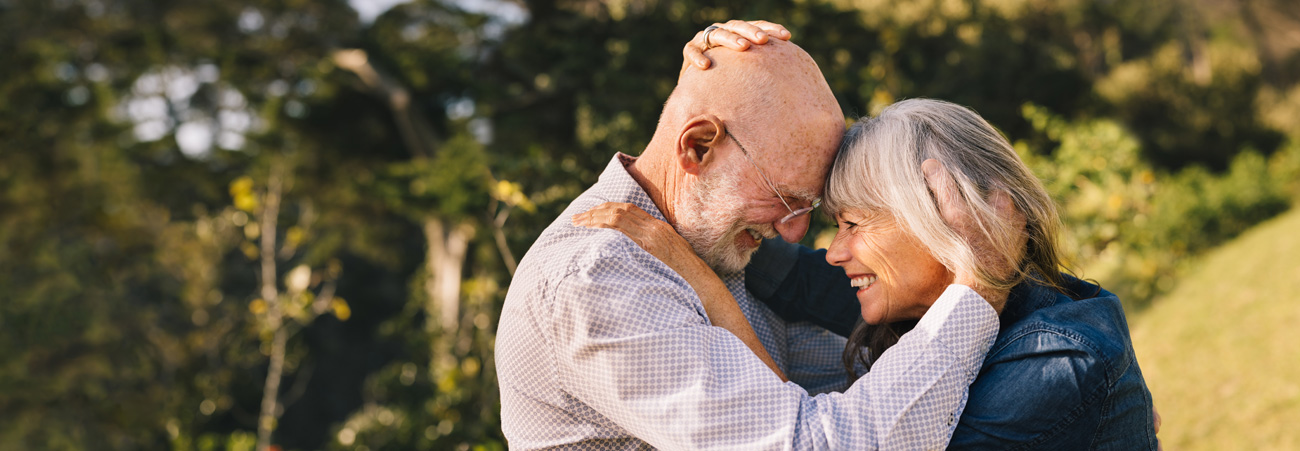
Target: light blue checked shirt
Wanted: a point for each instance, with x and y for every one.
(602, 346)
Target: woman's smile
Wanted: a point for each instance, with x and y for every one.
(896, 277)
(863, 282)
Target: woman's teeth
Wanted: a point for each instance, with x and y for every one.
(863, 281)
(755, 234)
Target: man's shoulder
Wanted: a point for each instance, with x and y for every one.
(573, 257)
(597, 283)
(564, 250)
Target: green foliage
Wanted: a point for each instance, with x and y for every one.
(1202, 114)
(1129, 225)
(453, 184)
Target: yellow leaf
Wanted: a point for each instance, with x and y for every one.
(258, 306)
(340, 309)
(241, 186)
(470, 366)
(513, 195)
(246, 202)
(1113, 204)
(503, 189)
(293, 237)
(1147, 177)
(522, 201)
(447, 383)
(249, 250)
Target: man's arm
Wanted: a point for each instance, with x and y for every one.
(799, 285)
(633, 344)
(817, 301)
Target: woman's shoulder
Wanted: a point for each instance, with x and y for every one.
(1056, 365)
(1091, 329)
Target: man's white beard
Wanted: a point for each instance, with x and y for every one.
(710, 220)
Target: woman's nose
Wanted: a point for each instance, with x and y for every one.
(795, 229)
(837, 253)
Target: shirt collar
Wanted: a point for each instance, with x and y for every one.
(617, 185)
(1029, 296)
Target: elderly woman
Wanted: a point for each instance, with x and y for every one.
(906, 189)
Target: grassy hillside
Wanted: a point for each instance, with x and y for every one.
(1221, 352)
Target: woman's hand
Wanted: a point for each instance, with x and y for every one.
(660, 240)
(655, 236)
(958, 216)
(736, 35)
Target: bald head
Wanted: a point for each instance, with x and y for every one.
(739, 147)
(775, 81)
(723, 196)
(773, 98)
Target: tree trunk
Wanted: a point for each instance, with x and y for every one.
(271, 391)
(445, 262)
(274, 312)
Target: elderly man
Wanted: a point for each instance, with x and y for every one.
(601, 346)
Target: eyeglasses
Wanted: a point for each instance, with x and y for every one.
(793, 213)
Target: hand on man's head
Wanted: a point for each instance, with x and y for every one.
(736, 35)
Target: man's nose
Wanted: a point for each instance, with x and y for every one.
(794, 230)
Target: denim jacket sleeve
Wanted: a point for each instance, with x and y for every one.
(799, 285)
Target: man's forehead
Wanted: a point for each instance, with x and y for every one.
(802, 167)
(801, 179)
(806, 186)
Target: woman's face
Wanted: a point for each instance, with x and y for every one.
(896, 277)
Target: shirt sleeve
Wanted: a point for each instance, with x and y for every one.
(632, 342)
(798, 284)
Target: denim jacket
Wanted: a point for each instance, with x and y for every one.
(1061, 374)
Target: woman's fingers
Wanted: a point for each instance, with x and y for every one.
(775, 30)
(1156, 413)
(756, 31)
(723, 37)
(946, 194)
(743, 30)
(694, 54)
(1015, 223)
(651, 234)
(735, 35)
(612, 215)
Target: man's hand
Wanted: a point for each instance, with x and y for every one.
(1155, 413)
(736, 35)
(957, 215)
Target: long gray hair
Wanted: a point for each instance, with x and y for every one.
(878, 170)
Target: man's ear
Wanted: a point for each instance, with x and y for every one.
(699, 137)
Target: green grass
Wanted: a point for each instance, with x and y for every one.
(1221, 352)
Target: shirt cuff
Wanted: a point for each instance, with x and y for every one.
(963, 311)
